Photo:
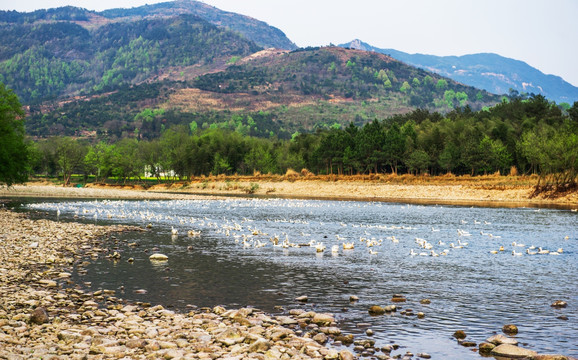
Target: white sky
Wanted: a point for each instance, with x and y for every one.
(543, 33)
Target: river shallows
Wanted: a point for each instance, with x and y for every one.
(470, 288)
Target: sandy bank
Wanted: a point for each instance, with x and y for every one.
(483, 191)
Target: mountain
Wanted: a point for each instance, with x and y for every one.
(135, 72)
(261, 33)
(268, 93)
(491, 72)
(257, 31)
(44, 60)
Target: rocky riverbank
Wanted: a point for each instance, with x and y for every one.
(43, 314)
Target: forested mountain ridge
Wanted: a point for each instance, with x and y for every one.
(488, 71)
(255, 30)
(269, 93)
(44, 60)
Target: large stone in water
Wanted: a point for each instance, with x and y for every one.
(559, 304)
(376, 310)
(512, 351)
(159, 257)
(510, 329)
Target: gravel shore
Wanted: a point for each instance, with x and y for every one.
(43, 314)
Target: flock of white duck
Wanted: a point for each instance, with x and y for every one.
(368, 238)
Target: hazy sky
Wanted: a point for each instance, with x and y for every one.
(543, 33)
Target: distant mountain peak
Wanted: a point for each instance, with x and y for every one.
(491, 72)
(258, 31)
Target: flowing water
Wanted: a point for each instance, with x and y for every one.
(234, 263)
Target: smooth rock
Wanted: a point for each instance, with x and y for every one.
(261, 345)
(353, 298)
(424, 355)
(511, 351)
(320, 338)
(303, 298)
(158, 257)
(510, 329)
(286, 320)
(486, 348)
(323, 319)
(39, 316)
(331, 330)
(551, 357)
(390, 308)
(136, 343)
(69, 336)
(230, 336)
(467, 343)
(345, 339)
(48, 283)
(346, 355)
(376, 310)
(460, 334)
(559, 304)
(500, 339)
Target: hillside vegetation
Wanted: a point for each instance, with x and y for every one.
(53, 59)
(271, 93)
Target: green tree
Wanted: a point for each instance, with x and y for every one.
(70, 157)
(449, 157)
(14, 161)
(418, 161)
(441, 84)
(405, 87)
(98, 161)
(126, 162)
(395, 146)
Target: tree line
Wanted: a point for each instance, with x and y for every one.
(531, 134)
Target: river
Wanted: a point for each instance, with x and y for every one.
(234, 263)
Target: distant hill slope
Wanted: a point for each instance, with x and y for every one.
(487, 71)
(336, 73)
(44, 59)
(269, 93)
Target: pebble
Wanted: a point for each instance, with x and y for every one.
(460, 334)
(510, 329)
(376, 310)
(99, 325)
(559, 304)
(158, 257)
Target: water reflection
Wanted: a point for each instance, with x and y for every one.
(234, 262)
